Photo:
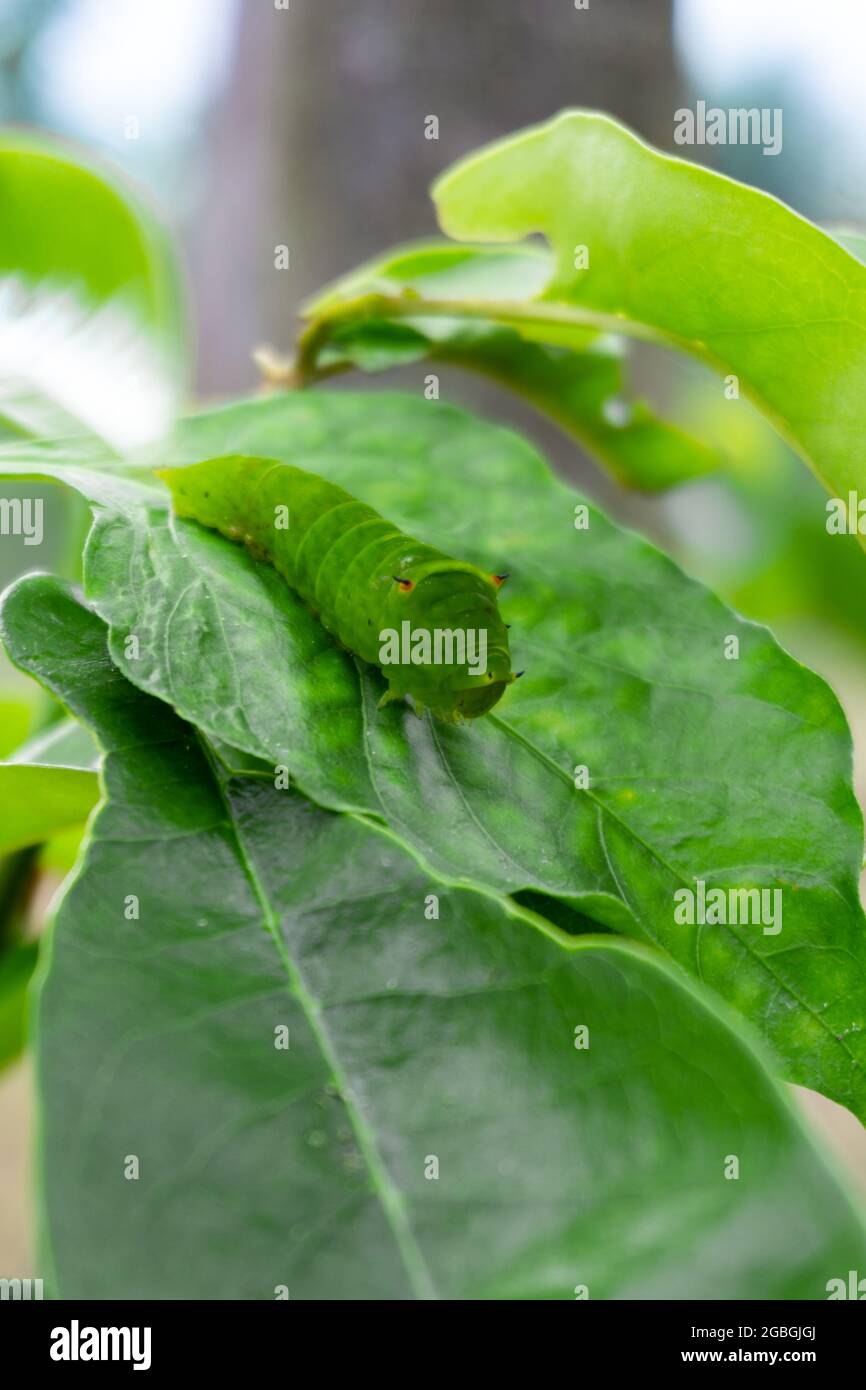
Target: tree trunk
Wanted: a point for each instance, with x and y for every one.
(320, 143)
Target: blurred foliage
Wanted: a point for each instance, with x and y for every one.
(92, 319)
(93, 342)
(49, 785)
(756, 533)
(16, 967)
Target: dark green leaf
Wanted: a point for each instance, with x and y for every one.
(731, 772)
(413, 1042)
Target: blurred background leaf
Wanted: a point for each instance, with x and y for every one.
(16, 968)
(92, 323)
(47, 786)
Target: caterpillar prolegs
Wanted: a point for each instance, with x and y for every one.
(431, 623)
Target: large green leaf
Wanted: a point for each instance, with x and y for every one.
(579, 381)
(733, 772)
(685, 257)
(92, 333)
(431, 1130)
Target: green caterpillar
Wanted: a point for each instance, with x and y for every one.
(430, 622)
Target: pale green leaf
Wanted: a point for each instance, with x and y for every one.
(686, 258)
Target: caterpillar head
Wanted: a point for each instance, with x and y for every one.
(455, 658)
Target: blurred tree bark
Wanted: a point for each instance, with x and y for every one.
(319, 144)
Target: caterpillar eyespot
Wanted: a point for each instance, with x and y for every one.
(430, 622)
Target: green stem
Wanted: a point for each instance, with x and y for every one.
(510, 312)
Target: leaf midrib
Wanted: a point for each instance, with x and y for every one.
(416, 1268)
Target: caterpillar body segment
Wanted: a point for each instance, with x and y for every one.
(430, 622)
